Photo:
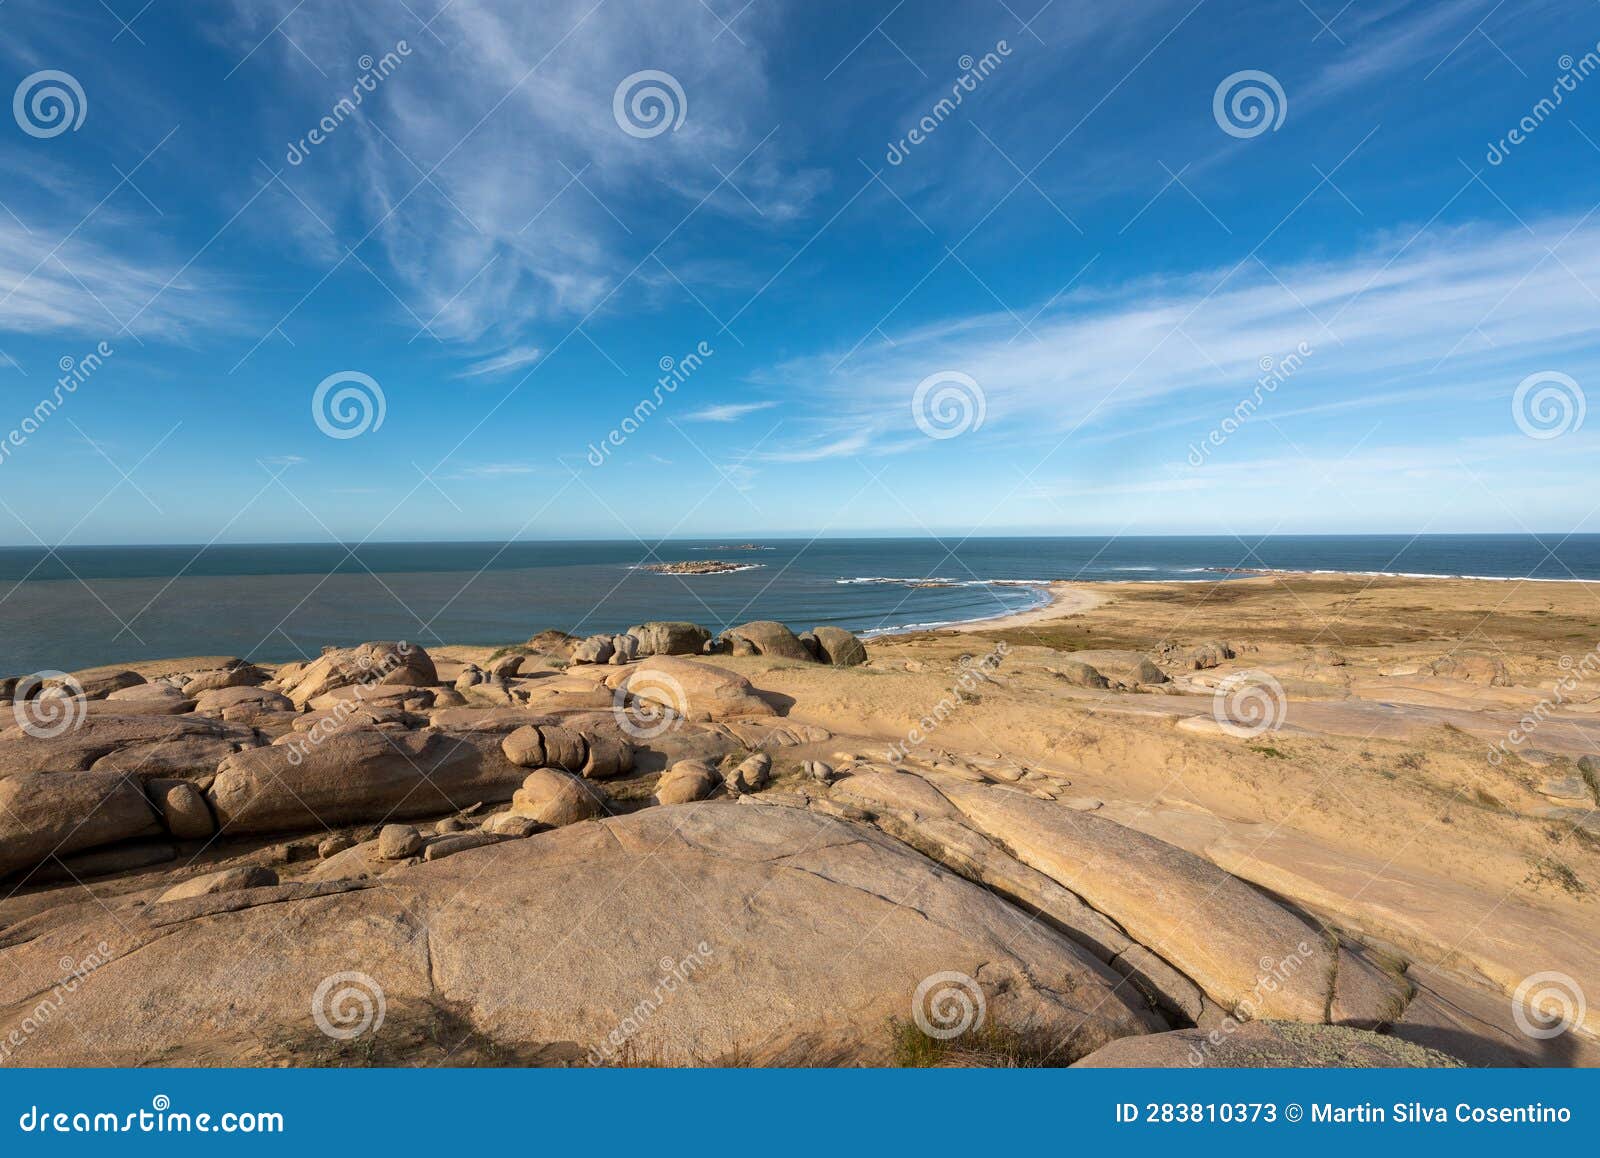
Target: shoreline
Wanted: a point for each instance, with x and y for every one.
(1062, 597)
(1066, 597)
(1059, 599)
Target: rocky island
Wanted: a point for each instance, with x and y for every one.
(698, 567)
(1263, 822)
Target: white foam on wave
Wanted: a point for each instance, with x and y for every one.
(1043, 599)
(1411, 575)
(945, 582)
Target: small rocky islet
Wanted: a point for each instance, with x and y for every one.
(623, 849)
(698, 567)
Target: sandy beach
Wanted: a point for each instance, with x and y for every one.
(1064, 599)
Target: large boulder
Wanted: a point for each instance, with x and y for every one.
(157, 699)
(1266, 1045)
(837, 646)
(763, 637)
(398, 841)
(554, 643)
(182, 757)
(1249, 954)
(406, 696)
(799, 945)
(670, 637)
(1146, 672)
(358, 776)
(62, 812)
(595, 649)
(183, 808)
(240, 702)
(97, 737)
(686, 781)
(96, 683)
(501, 720)
(324, 722)
(1208, 654)
(1080, 674)
(550, 796)
(750, 775)
(594, 754)
(692, 689)
(369, 665)
(250, 876)
(507, 667)
(215, 679)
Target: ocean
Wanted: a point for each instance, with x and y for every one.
(80, 606)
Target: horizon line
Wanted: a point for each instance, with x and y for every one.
(795, 538)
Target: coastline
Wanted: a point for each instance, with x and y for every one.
(1458, 755)
(1065, 597)
(503, 614)
(1062, 597)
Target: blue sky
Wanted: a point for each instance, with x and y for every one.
(1080, 251)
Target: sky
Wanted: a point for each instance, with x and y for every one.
(461, 269)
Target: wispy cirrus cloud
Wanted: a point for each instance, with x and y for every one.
(506, 193)
(1466, 308)
(511, 359)
(728, 411)
(79, 284)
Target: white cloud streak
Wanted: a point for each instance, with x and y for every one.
(728, 412)
(1466, 309)
(82, 286)
(500, 363)
(498, 182)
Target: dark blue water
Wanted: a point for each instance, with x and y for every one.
(89, 605)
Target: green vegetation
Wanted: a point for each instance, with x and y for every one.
(1488, 800)
(988, 1045)
(1547, 870)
